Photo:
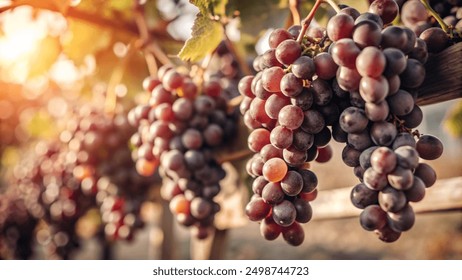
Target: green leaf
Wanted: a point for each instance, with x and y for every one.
(40, 125)
(213, 7)
(453, 120)
(219, 6)
(206, 35)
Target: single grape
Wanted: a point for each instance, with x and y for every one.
(274, 170)
(288, 51)
(257, 209)
(292, 183)
(269, 229)
(383, 160)
(386, 9)
(272, 193)
(284, 213)
(293, 234)
(391, 199)
(340, 26)
(401, 178)
(361, 196)
(426, 173)
(429, 147)
(372, 218)
(402, 220)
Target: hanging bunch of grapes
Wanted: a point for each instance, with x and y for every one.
(290, 107)
(52, 193)
(16, 227)
(382, 66)
(98, 146)
(185, 121)
(355, 81)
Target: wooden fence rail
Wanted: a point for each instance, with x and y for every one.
(444, 195)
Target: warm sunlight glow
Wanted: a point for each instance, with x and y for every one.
(64, 72)
(22, 33)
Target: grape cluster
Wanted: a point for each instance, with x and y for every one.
(381, 70)
(415, 16)
(179, 130)
(51, 193)
(289, 105)
(90, 167)
(16, 227)
(355, 81)
(99, 154)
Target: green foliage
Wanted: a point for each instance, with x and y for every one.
(207, 32)
(94, 39)
(206, 35)
(49, 50)
(453, 121)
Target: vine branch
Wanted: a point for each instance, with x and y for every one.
(294, 6)
(333, 5)
(306, 22)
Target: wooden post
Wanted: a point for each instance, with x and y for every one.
(167, 249)
(443, 80)
(212, 248)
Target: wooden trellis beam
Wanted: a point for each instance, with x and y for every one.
(443, 80)
(444, 195)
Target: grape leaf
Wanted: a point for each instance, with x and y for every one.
(216, 7)
(219, 6)
(453, 120)
(206, 35)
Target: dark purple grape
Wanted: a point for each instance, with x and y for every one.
(303, 209)
(401, 178)
(288, 51)
(284, 213)
(429, 147)
(269, 229)
(272, 193)
(372, 218)
(304, 68)
(353, 120)
(257, 209)
(386, 9)
(292, 183)
(391, 199)
(361, 196)
(426, 173)
(402, 220)
(294, 234)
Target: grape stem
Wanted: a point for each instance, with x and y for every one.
(110, 102)
(151, 49)
(306, 22)
(234, 102)
(333, 5)
(234, 156)
(443, 25)
(294, 10)
(241, 62)
(145, 37)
